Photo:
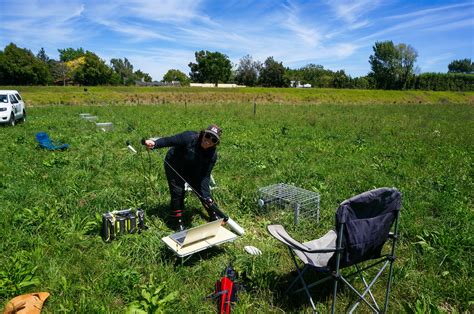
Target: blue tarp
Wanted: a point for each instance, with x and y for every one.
(45, 142)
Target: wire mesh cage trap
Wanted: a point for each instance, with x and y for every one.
(305, 204)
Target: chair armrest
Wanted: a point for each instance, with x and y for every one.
(323, 251)
(298, 248)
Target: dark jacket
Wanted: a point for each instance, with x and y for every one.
(189, 159)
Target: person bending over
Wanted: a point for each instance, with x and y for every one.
(192, 157)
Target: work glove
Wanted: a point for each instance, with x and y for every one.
(211, 207)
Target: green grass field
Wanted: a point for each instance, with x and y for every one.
(74, 95)
(52, 202)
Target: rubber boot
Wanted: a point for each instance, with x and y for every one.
(178, 221)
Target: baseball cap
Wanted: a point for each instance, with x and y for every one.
(214, 130)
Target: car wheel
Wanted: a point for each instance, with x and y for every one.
(23, 118)
(12, 120)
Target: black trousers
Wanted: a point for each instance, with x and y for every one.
(176, 187)
(177, 192)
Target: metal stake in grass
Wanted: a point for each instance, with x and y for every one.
(145, 186)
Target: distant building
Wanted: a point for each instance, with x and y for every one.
(214, 85)
(297, 84)
(155, 83)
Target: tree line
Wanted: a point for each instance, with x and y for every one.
(19, 66)
(392, 67)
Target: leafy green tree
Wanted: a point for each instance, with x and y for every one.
(384, 64)
(176, 75)
(42, 56)
(60, 72)
(92, 71)
(445, 81)
(408, 57)
(341, 80)
(392, 65)
(69, 54)
(293, 76)
(141, 75)
(19, 66)
(272, 74)
(317, 76)
(461, 66)
(124, 69)
(211, 67)
(362, 82)
(247, 71)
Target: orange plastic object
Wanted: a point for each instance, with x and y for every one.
(31, 303)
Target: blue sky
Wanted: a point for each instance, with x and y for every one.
(158, 35)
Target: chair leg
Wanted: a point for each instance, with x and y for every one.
(389, 282)
(334, 296)
(359, 272)
(305, 287)
(299, 277)
(362, 296)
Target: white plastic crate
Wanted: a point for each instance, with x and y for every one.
(105, 126)
(90, 118)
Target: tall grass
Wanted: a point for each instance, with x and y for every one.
(74, 95)
(51, 202)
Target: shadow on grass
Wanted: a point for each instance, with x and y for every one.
(299, 302)
(191, 260)
(162, 211)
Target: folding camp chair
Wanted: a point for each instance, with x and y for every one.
(363, 225)
(45, 142)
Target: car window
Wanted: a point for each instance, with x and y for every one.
(18, 96)
(13, 100)
(3, 98)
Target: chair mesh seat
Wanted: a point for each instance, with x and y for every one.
(328, 241)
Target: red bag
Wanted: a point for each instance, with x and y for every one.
(226, 291)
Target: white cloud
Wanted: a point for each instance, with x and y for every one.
(165, 10)
(310, 35)
(134, 32)
(469, 22)
(42, 24)
(425, 12)
(352, 11)
(441, 21)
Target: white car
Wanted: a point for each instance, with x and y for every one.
(12, 107)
